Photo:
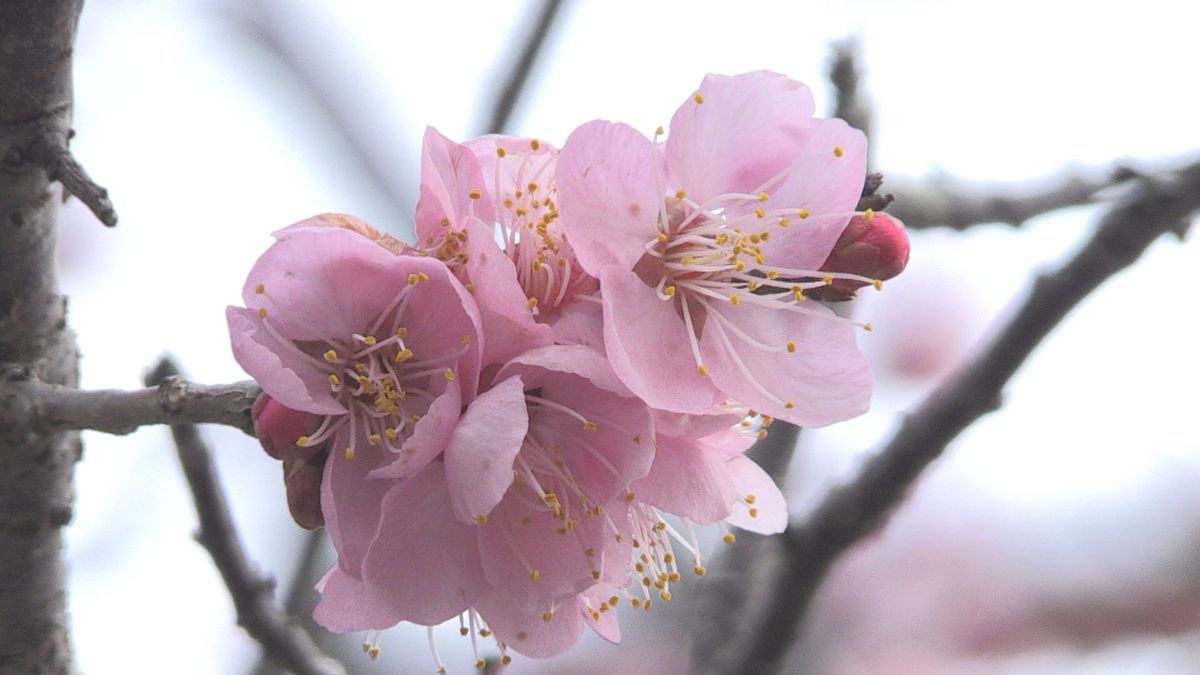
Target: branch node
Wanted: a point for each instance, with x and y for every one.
(50, 151)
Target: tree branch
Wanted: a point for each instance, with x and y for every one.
(859, 508)
(52, 408)
(51, 152)
(252, 593)
(510, 93)
(959, 206)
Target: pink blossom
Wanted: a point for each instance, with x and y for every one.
(705, 246)
(384, 348)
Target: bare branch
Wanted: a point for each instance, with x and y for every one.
(859, 508)
(51, 152)
(506, 102)
(50, 408)
(252, 593)
(959, 206)
(844, 74)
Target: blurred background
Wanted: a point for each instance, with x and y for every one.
(1058, 535)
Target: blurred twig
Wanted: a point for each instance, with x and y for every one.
(849, 513)
(252, 593)
(844, 73)
(514, 85)
(174, 401)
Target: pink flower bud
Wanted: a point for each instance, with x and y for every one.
(873, 245)
(302, 478)
(278, 427)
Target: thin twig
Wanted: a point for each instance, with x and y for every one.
(943, 203)
(506, 102)
(51, 408)
(859, 508)
(301, 600)
(51, 152)
(257, 611)
(851, 104)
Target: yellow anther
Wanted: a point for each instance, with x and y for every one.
(613, 600)
(481, 519)
(465, 341)
(789, 405)
(702, 370)
(838, 151)
(798, 294)
(760, 213)
(589, 426)
(302, 442)
(878, 284)
(698, 98)
(401, 332)
(448, 374)
(535, 144)
(784, 222)
(331, 355)
(791, 346)
(589, 552)
(506, 659)
(828, 279)
(370, 340)
(348, 453)
(772, 275)
(762, 434)
(470, 287)
(391, 433)
(445, 222)
(659, 131)
(699, 570)
(413, 278)
(868, 215)
(500, 152)
(765, 236)
(508, 203)
(366, 647)
(480, 664)
(803, 213)
(404, 355)
(669, 291)
(646, 582)
(680, 194)
(750, 499)
(668, 559)
(260, 289)
(374, 439)
(868, 327)
(665, 595)
(532, 302)
(374, 653)
(547, 616)
(636, 602)
(335, 380)
(733, 299)
(648, 604)
(740, 265)
(596, 575)
(630, 496)
(729, 538)
(753, 513)
(637, 438)
(262, 312)
(422, 276)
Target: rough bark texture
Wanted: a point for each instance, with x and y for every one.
(36, 38)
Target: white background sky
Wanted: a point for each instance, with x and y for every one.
(207, 144)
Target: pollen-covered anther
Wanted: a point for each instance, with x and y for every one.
(302, 442)
(733, 300)
(374, 653)
(260, 289)
(374, 439)
(535, 144)
(750, 499)
(589, 426)
(480, 664)
(475, 193)
(404, 355)
(698, 98)
(665, 595)
(868, 327)
(702, 370)
(791, 346)
(262, 312)
(760, 213)
(481, 519)
(789, 405)
(501, 152)
(532, 302)
(448, 374)
(803, 213)
(504, 660)
(878, 284)
(547, 616)
(659, 131)
(828, 279)
(348, 453)
(630, 496)
(838, 151)
(729, 538)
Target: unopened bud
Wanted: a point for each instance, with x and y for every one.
(278, 427)
(873, 245)
(302, 479)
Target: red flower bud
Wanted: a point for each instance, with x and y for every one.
(302, 478)
(873, 245)
(278, 427)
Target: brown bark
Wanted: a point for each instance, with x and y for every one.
(36, 38)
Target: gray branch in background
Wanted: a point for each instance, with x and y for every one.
(514, 85)
(52, 408)
(1152, 207)
(252, 593)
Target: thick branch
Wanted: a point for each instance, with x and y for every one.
(52, 153)
(506, 102)
(252, 593)
(861, 507)
(49, 408)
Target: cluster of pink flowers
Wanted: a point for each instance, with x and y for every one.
(519, 419)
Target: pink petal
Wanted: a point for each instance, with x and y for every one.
(647, 344)
(479, 458)
(584, 362)
(351, 502)
(522, 626)
(429, 438)
(449, 171)
(283, 371)
(443, 320)
(610, 191)
(580, 323)
(323, 283)
(827, 186)
(746, 131)
(348, 605)
(606, 626)
(688, 479)
(425, 564)
(827, 379)
(521, 164)
(753, 484)
(504, 309)
(695, 425)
